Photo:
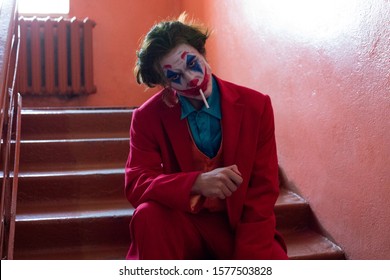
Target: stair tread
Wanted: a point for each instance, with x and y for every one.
(312, 246)
(67, 173)
(73, 140)
(84, 252)
(75, 110)
(68, 123)
(308, 244)
(287, 197)
(69, 212)
(73, 154)
(64, 208)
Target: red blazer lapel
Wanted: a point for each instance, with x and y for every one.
(232, 113)
(232, 116)
(178, 135)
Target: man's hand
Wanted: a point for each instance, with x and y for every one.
(218, 183)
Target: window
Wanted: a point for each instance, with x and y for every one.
(43, 7)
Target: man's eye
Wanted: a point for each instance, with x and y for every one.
(175, 77)
(192, 63)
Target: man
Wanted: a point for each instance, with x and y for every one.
(202, 170)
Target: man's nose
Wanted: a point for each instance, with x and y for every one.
(193, 83)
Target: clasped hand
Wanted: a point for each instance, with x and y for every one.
(218, 183)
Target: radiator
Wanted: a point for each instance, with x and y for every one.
(55, 56)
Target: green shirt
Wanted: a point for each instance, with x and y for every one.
(205, 124)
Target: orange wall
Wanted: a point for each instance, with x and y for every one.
(327, 72)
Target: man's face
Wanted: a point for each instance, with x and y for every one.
(187, 71)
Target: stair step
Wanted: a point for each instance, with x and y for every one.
(60, 220)
(52, 155)
(302, 245)
(40, 190)
(309, 245)
(292, 211)
(308, 249)
(67, 213)
(81, 252)
(63, 228)
(75, 123)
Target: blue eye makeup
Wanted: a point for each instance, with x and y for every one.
(173, 76)
(193, 63)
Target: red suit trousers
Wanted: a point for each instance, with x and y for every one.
(160, 233)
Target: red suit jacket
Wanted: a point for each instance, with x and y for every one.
(159, 166)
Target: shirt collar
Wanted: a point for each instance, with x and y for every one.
(213, 100)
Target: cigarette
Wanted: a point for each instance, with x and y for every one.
(204, 98)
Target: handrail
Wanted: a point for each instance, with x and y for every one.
(10, 106)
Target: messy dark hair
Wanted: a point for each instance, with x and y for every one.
(159, 41)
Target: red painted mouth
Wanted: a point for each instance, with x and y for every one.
(193, 83)
(195, 91)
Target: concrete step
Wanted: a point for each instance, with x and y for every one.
(76, 123)
(292, 211)
(77, 252)
(309, 245)
(97, 229)
(53, 230)
(38, 191)
(49, 235)
(74, 154)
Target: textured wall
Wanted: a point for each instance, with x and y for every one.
(326, 66)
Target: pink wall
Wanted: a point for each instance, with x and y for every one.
(326, 68)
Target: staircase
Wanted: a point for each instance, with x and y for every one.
(71, 203)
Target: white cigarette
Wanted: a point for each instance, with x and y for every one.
(204, 98)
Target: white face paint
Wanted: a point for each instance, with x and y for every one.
(187, 71)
